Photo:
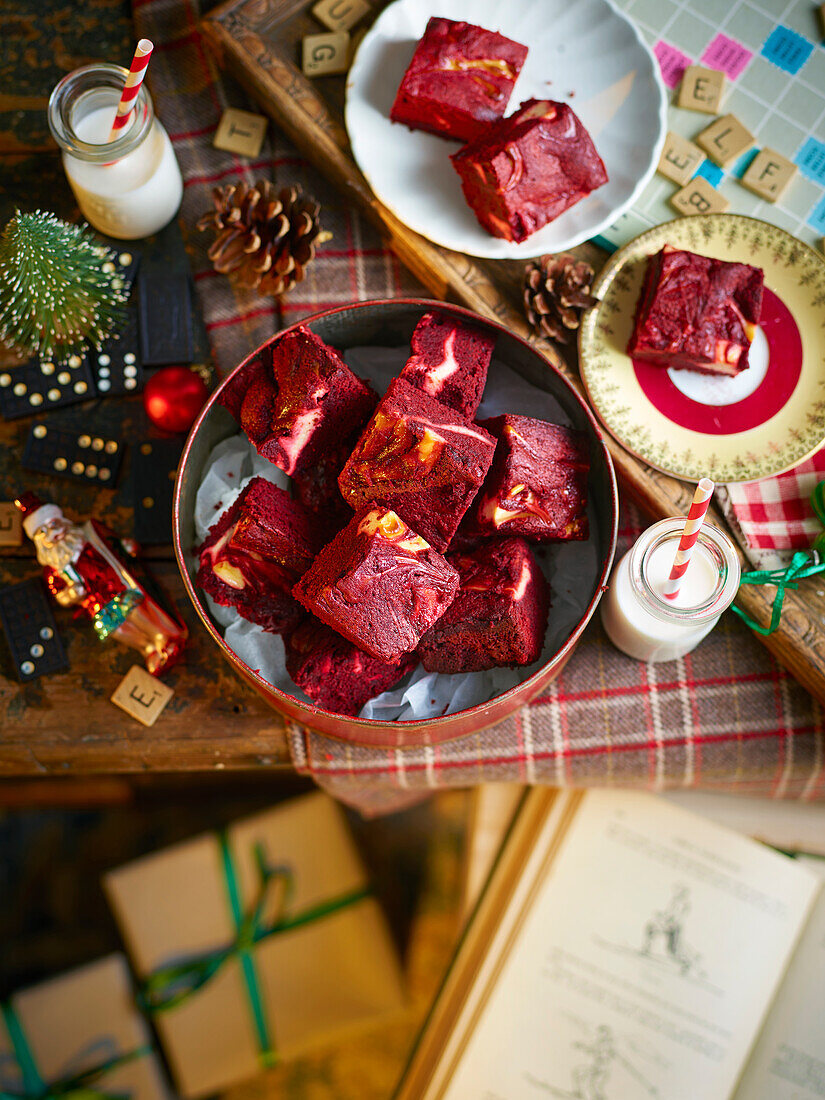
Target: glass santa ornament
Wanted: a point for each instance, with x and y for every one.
(82, 569)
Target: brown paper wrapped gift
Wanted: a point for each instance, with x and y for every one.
(79, 1034)
(256, 943)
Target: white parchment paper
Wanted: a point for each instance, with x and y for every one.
(571, 568)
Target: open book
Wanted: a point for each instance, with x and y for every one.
(624, 949)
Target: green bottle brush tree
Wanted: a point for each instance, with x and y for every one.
(59, 287)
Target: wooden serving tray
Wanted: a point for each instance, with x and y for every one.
(258, 41)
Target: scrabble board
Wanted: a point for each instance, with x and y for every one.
(773, 55)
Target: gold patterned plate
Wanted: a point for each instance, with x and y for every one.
(691, 425)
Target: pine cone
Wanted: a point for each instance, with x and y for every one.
(556, 290)
(265, 238)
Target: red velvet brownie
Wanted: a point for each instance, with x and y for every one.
(537, 485)
(334, 673)
(696, 313)
(525, 170)
(449, 361)
(254, 554)
(459, 80)
(420, 458)
(379, 584)
(499, 616)
(316, 487)
(296, 398)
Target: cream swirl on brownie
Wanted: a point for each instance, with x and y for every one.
(255, 552)
(420, 458)
(379, 583)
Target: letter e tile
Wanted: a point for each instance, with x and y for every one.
(701, 89)
(679, 160)
(141, 695)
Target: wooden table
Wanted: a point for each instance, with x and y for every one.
(64, 724)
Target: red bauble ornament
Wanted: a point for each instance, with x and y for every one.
(173, 397)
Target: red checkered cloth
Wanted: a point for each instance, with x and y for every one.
(775, 516)
(725, 717)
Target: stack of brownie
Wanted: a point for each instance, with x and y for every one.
(406, 537)
(517, 173)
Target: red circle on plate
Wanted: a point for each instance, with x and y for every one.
(781, 377)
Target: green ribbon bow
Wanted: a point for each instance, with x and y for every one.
(76, 1086)
(168, 986)
(804, 563)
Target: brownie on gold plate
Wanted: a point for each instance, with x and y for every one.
(449, 361)
(499, 616)
(459, 80)
(420, 458)
(336, 674)
(254, 554)
(537, 485)
(379, 584)
(297, 398)
(696, 313)
(527, 169)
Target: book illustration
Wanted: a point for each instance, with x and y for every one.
(598, 1061)
(664, 935)
(665, 944)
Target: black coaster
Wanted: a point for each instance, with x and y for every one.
(154, 465)
(81, 456)
(30, 629)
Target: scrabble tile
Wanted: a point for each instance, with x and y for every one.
(31, 632)
(11, 524)
(39, 385)
(325, 54)
(340, 15)
(81, 456)
(701, 89)
(699, 198)
(769, 174)
(680, 159)
(725, 140)
(240, 132)
(142, 695)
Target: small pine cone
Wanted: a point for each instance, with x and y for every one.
(556, 290)
(264, 237)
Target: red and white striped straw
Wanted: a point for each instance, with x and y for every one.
(132, 86)
(693, 525)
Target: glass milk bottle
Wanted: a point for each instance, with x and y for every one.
(640, 621)
(127, 188)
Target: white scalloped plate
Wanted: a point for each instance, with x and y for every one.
(583, 52)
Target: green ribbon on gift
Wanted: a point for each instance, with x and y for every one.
(76, 1086)
(804, 563)
(169, 986)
